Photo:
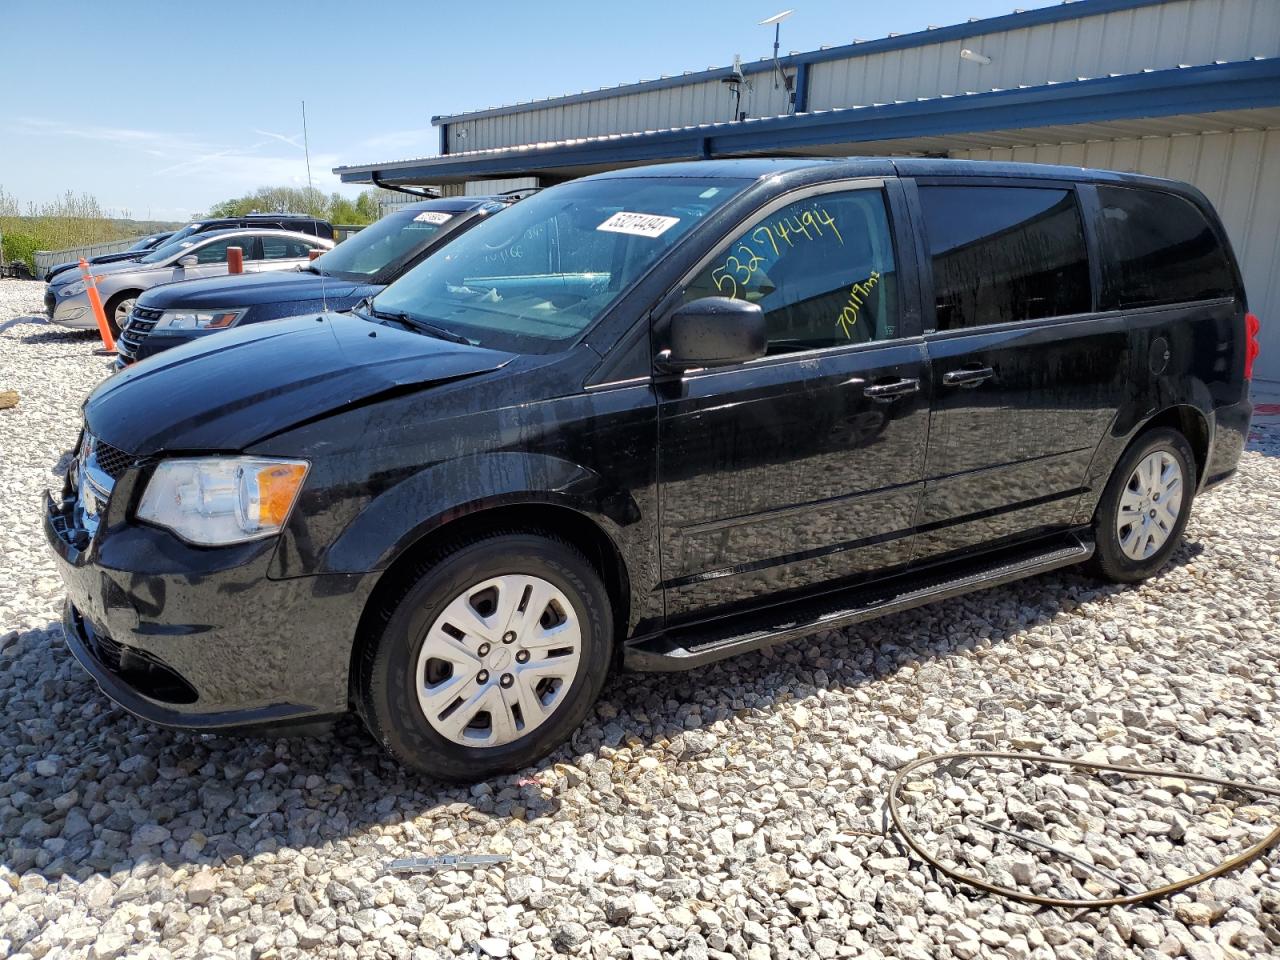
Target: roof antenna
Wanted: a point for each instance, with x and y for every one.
(776, 20)
(311, 197)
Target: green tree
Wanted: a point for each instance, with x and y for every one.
(335, 208)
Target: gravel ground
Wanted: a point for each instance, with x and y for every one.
(728, 813)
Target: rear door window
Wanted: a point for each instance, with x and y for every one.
(1003, 254)
(284, 248)
(1159, 248)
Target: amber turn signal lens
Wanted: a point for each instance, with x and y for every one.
(278, 487)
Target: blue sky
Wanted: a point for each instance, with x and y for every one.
(161, 109)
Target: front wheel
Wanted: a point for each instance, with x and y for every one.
(490, 659)
(1145, 507)
(118, 310)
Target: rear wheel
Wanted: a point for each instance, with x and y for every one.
(1145, 507)
(490, 658)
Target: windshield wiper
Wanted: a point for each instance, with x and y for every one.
(417, 323)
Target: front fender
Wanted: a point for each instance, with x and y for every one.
(400, 516)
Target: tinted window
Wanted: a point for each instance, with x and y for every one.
(216, 252)
(822, 269)
(283, 248)
(1159, 248)
(1002, 254)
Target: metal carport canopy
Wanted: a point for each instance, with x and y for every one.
(1115, 104)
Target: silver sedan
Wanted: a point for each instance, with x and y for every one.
(203, 255)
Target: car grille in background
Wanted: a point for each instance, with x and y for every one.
(141, 322)
(50, 301)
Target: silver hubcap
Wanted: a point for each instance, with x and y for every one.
(498, 661)
(1149, 506)
(123, 309)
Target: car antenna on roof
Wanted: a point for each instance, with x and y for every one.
(306, 150)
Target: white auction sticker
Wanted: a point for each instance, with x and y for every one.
(639, 224)
(432, 216)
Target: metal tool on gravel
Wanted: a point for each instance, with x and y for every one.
(440, 864)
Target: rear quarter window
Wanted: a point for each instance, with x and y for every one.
(1159, 248)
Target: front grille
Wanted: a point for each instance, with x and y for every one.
(50, 301)
(110, 460)
(141, 322)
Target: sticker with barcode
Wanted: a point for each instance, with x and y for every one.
(432, 216)
(638, 224)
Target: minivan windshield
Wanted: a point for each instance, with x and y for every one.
(392, 240)
(535, 276)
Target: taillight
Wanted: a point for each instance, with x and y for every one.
(1251, 345)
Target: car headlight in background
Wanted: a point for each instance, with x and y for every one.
(214, 501)
(199, 319)
(73, 289)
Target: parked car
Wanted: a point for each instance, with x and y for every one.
(653, 418)
(66, 301)
(295, 222)
(357, 268)
(135, 250)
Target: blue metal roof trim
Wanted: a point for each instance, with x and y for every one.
(1237, 85)
(1075, 10)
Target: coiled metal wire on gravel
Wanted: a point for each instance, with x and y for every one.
(1141, 896)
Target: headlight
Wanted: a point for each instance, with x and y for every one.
(213, 501)
(199, 319)
(73, 289)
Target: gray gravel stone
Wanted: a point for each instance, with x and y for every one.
(718, 814)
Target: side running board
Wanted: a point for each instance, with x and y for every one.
(704, 643)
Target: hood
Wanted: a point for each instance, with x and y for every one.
(104, 269)
(224, 393)
(119, 255)
(246, 290)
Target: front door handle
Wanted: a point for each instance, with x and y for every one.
(894, 388)
(967, 376)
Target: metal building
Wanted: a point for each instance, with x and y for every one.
(1188, 89)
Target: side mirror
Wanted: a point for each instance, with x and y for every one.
(713, 332)
(190, 260)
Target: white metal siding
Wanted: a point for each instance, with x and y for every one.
(1155, 37)
(1238, 172)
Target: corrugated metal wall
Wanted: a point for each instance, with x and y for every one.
(1240, 174)
(1159, 36)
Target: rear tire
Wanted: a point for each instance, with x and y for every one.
(489, 657)
(1144, 510)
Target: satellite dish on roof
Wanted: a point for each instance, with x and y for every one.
(776, 18)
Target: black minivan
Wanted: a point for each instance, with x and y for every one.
(650, 419)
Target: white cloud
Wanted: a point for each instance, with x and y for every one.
(177, 170)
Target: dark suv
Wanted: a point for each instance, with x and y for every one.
(296, 222)
(176, 313)
(653, 418)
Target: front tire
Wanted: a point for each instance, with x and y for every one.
(1145, 507)
(118, 309)
(489, 658)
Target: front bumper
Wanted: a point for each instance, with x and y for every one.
(72, 312)
(200, 637)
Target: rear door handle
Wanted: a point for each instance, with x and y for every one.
(894, 388)
(967, 376)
